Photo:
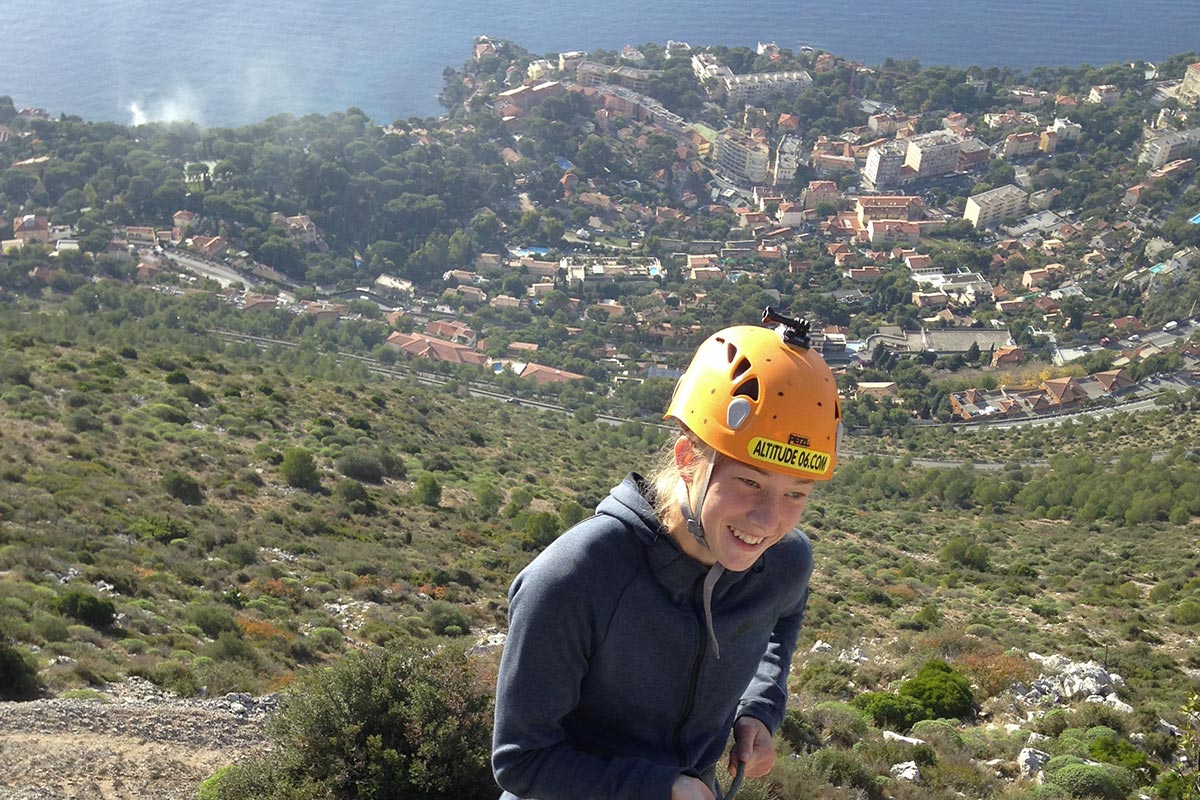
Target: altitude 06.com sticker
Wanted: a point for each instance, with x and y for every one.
(786, 455)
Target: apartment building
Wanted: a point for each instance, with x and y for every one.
(887, 206)
(755, 86)
(884, 164)
(1163, 149)
(933, 154)
(741, 157)
(1189, 90)
(1020, 144)
(986, 209)
(788, 157)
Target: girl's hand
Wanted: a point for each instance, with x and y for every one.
(752, 744)
(688, 788)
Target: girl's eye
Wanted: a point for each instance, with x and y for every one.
(750, 483)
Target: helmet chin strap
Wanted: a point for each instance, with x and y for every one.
(696, 528)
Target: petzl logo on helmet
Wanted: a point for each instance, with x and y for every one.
(795, 438)
(783, 455)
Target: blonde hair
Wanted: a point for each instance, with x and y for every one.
(667, 474)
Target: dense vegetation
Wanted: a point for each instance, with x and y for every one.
(209, 514)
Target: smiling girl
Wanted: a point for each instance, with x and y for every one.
(641, 637)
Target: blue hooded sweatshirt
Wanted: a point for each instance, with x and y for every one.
(608, 687)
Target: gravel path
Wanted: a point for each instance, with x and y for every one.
(139, 744)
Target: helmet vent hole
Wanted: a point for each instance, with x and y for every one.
(731, 352)
(748, 389)
(742, 367)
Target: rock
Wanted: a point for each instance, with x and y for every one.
(821, 647)
(1112, 701)
(1037, 738)
(892, 736)
(1165, 727)
(1030, 762)
(853, 656)
(907, 771)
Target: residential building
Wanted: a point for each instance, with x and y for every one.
(831, 156)
(1188, 92)
(819, 192)
(1019, 144)
(1067, 131)
(741, 157)
(1159, 150)
(887, 232)
(1105, 94)
(973, 152)
(417, 345)
(787, 160)
(933, 154)
(755, 86)
(31, 228)
(986, 209)
(887, 206)
(884, 164)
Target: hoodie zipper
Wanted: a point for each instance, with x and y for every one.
(694, 680)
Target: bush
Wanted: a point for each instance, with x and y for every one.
(212, 618)
(799, 733)
(841, 723)
(88, 608)
(840, 768)
(446, 619)
(360, 465)
(299, 469)
(182, 487)
(158, 528)
(18, 675)
(1087, 780)
(394, 724)
(893, 711)
(940, 689)
(428, 491)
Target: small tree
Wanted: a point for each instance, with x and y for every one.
(299, 469)
(182, 487)
(394, 724)
(428, 491)
(943, 691)
(88, 608)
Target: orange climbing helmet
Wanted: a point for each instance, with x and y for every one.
(763, 397)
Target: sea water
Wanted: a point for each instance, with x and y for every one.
(229, 62)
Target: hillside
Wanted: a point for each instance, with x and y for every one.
(215, 517)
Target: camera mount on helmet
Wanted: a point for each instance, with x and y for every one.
(792, 330)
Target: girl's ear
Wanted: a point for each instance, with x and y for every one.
(685, 458)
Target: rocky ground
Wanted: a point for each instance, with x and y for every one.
(130, 743)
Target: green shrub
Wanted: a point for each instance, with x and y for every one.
(159, 528)
(1186, 613)
(893, 711)
(18, 674)
(167, 413)
(88, 608)
(799, 733)
(937, 687)
(939, 731)
(360, 465)
(1088, 780)
(839, 722)
(446, 619)
(428, 491)
(299, 469)
(841, 768)
(392, 724)
(212, 618)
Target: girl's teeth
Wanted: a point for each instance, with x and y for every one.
(751, 540)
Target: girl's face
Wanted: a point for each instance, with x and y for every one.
(746, 511)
